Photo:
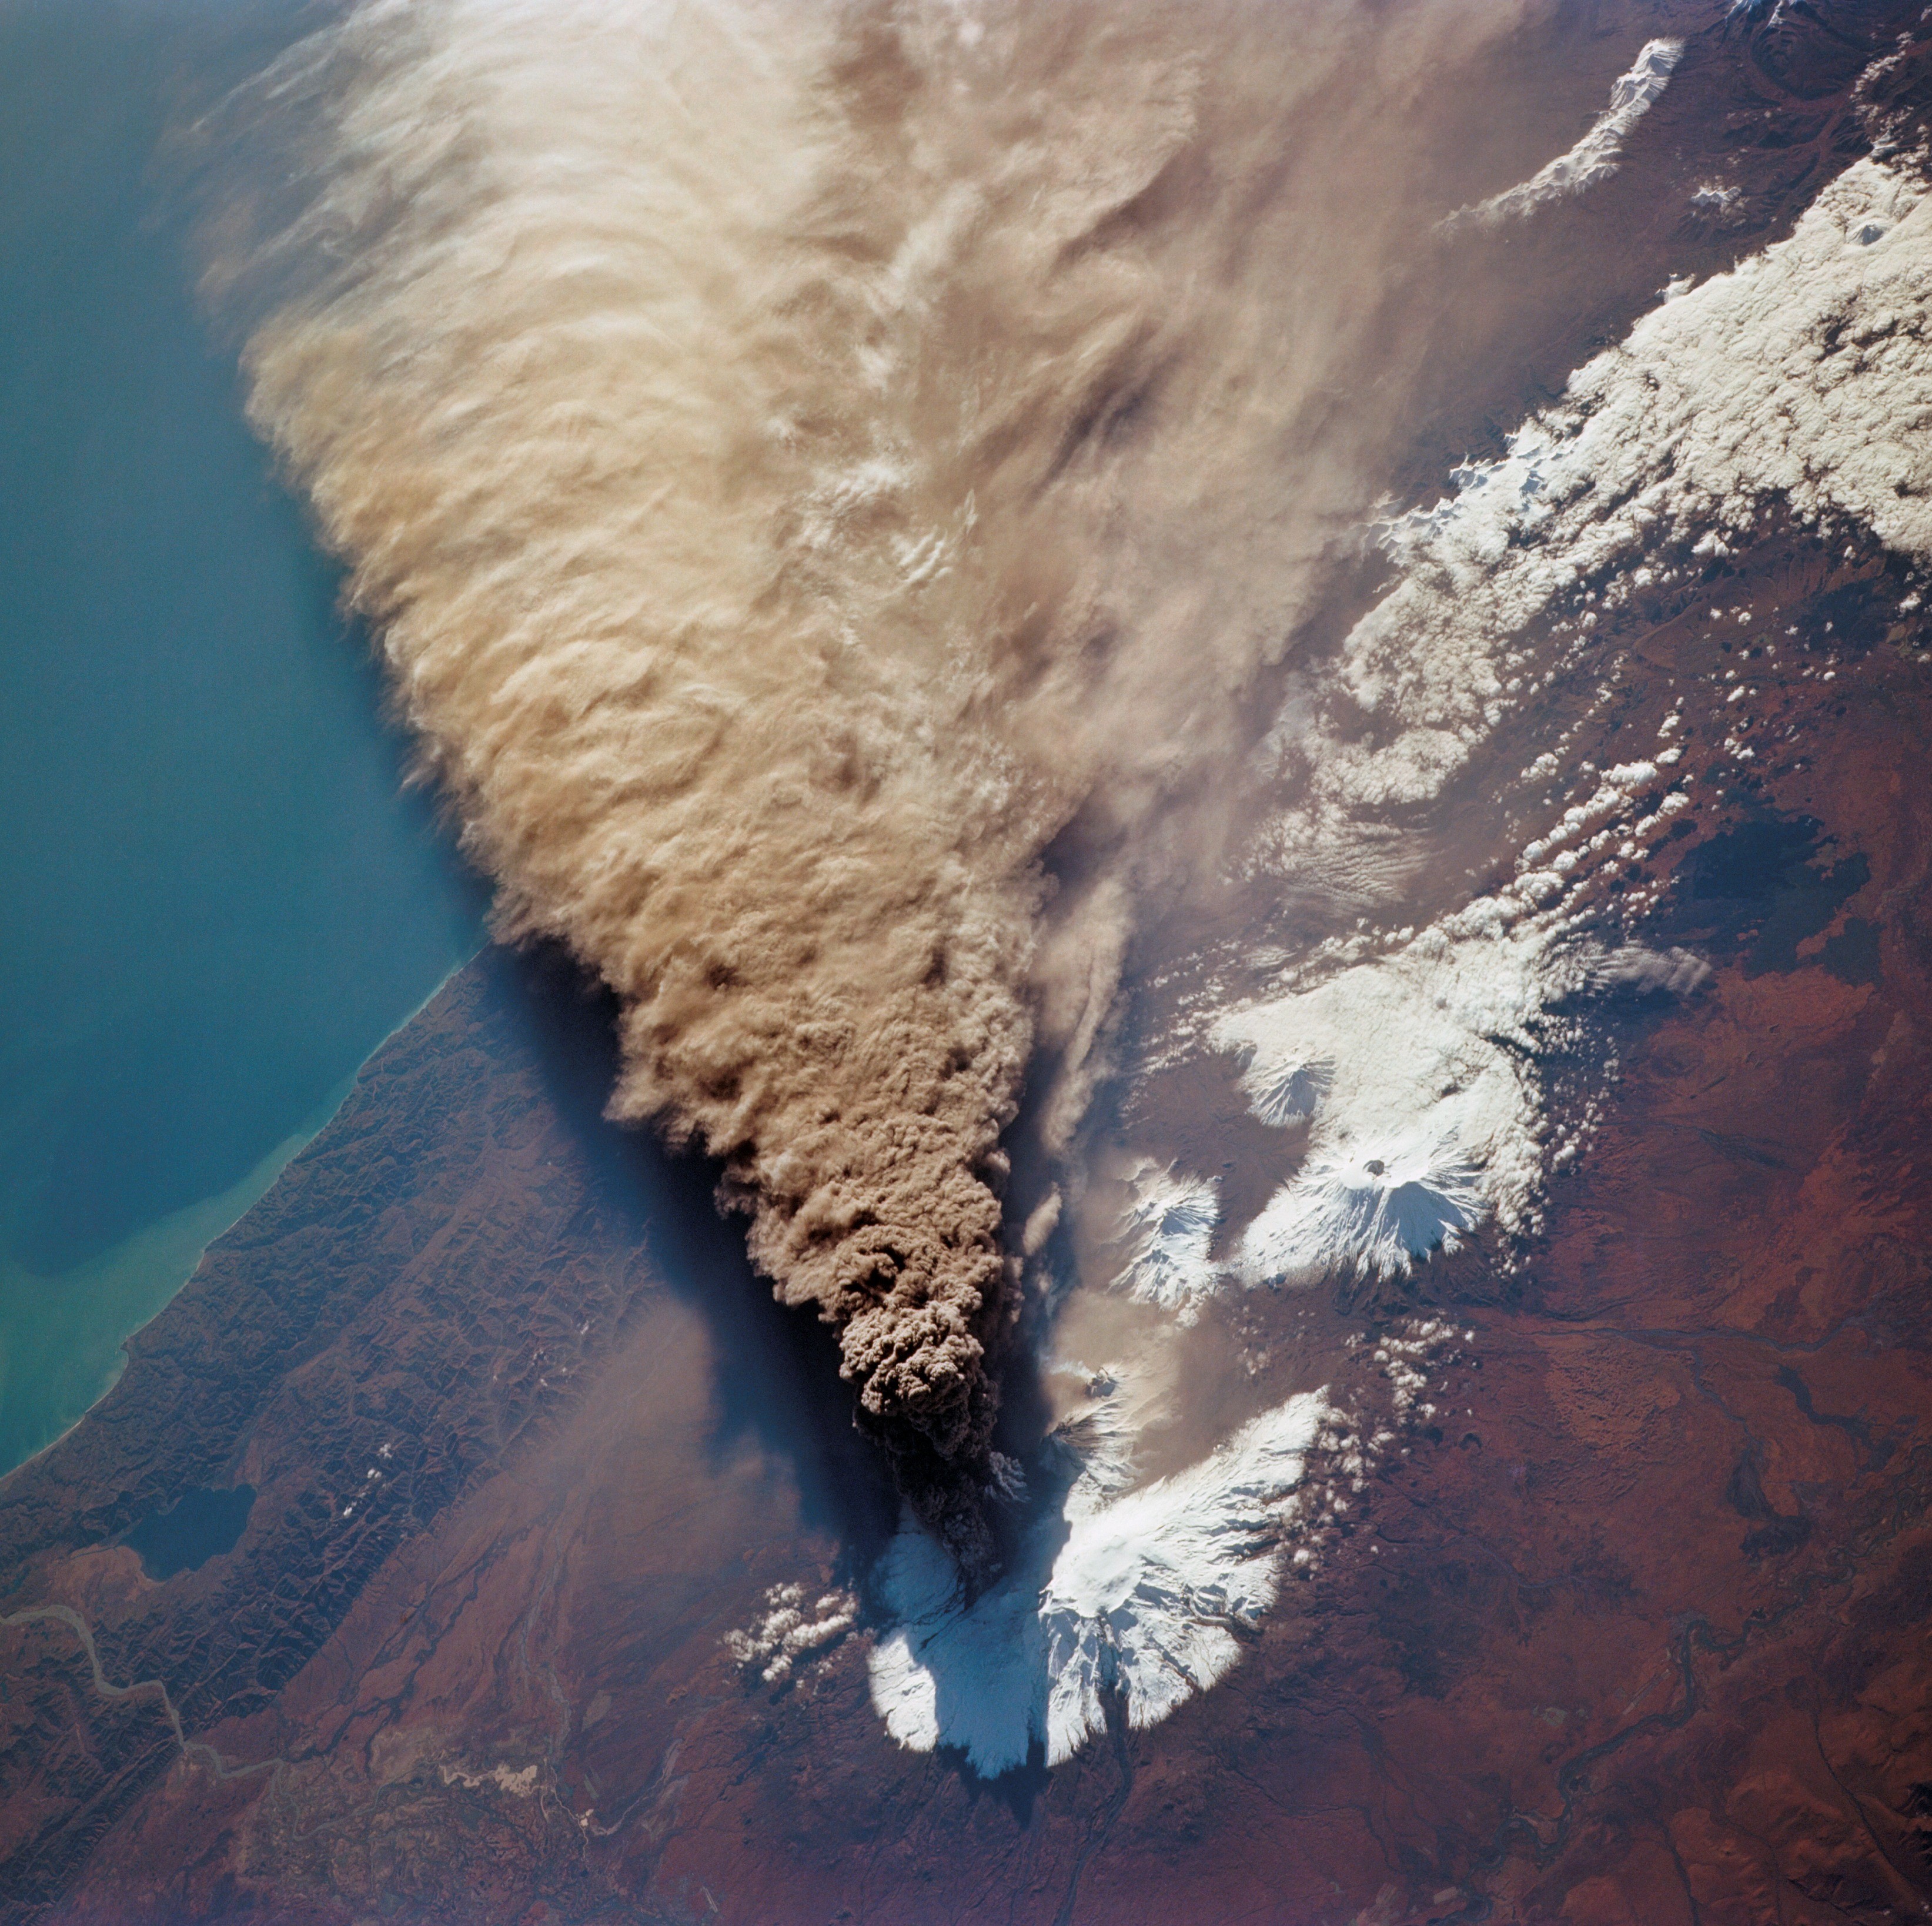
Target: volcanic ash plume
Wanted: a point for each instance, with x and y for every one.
(800, 462)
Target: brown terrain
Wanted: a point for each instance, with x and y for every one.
(1642, 1637)
(1635, 1631)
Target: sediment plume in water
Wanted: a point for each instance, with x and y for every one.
(807, 466)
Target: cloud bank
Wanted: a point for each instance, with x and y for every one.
(1799, 383)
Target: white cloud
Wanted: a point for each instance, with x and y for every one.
(790, 1629)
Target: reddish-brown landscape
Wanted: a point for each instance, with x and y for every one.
(1633, 1630)
(1636, 1630)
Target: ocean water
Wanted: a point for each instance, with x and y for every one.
(218, 895)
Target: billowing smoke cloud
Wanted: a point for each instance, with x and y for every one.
(808, 465)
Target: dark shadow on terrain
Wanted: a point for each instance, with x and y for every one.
(1766, 886)
(777, 1374)
(1016, 1788)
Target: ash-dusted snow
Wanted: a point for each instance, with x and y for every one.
(1423, 1055)
(1415, 1059)
(1800, 379)
(1595, 157)
(1168, 1230)
(1430, 1117)
(1134, 1592)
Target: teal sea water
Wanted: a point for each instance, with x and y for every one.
(216, 897)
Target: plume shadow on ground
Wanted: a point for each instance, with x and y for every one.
(775, 1371)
